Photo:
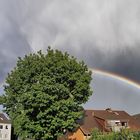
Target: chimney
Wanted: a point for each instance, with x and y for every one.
(109, 109)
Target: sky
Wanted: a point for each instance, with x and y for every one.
(113, 92)
(104, 34)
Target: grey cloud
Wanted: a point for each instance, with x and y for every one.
(126, 64)
(12, 49)
(107, 24)
(105, 34)
(99, 32)
(12, 43)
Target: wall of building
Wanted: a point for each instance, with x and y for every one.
(77, 135)
(5, 131)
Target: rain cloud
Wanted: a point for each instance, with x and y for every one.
(105, 34)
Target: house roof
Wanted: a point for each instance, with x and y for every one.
(89, 123)
(137, 119)
(109, 114)
(134, 124)
(95, 119)
(4, 119)
(137, 116)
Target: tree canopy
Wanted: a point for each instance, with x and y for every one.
(44, 94)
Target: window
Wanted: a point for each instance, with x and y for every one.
(118, 123)
(6, 127)
(124, 124)
(1, 126)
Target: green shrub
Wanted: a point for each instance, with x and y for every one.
(123, 135)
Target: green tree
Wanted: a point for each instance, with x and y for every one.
(44, 94)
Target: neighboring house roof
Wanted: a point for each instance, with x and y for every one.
(134, 124)
(109, 114)
(4, 119)
(137, 119)
(95, 119)
(89, 123)
(137, 116)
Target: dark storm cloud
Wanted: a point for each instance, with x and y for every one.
(99, 32)
(105, 34)
(12, 42)
(124, 63)
(12, 48)
(127, 64)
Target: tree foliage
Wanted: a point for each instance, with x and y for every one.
(44, 94)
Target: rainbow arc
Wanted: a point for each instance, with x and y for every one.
(115, 76)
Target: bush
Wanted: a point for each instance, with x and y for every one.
(123, 135)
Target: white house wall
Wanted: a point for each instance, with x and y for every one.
(5, 132)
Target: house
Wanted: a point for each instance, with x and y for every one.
(5, 127)
(105, 120)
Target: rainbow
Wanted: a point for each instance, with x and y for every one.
(115, 76)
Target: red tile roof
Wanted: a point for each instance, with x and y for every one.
(4, 119)
(89, 123)
(111, 114)
(96, 119)
(137, 117)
